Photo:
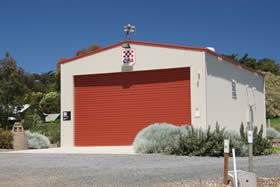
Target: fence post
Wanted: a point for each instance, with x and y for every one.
(226, 152)
(250, 149)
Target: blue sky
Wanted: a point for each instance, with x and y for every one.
(37, 33)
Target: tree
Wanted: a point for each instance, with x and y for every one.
(249, 62)
(86, 50)
(34, 99)
(81, 51)
(265, 64)
(50, 103)
(233, 56)
(268, 65)
(272, 97)
(44, 82)
(11, 89)
(93, 47)
(32, 118)
(57, 74)
(27, 80)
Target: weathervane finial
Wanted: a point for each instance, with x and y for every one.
(128, 29)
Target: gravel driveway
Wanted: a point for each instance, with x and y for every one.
(118, 170)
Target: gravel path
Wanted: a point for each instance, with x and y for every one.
(118, 170)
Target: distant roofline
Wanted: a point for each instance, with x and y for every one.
(166, 46)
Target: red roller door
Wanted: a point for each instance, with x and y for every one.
(110, 109)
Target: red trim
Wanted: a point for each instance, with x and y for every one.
(91, 53)
(166, 46)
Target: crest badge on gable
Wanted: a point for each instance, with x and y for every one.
(128, 57)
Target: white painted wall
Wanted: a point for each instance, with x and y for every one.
(221, 107)
(147, 58)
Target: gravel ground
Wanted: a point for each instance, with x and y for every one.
(119, 170)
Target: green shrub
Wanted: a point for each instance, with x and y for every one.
(188, 144)
(272, 133)
(51, 130)
(31, 119)
(6, 139)
(261, 146)
(155, 138)
(187, 140)
(37, 141)
(198, 142)
(236, 142)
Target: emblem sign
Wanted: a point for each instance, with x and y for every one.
(128, 56)
(250, 136)
(226, 146)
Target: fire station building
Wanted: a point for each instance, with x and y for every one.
(110, 94)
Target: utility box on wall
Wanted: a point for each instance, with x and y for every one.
(66, 116)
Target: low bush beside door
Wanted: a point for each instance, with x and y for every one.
(187, 140)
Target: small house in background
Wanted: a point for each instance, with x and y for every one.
(27, 111)
(19, 111)
(114, 92)
(51, 117)
(23, 109)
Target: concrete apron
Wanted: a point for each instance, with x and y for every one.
(82, 150)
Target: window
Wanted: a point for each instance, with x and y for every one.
(233, 85)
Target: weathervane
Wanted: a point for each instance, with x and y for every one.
(128, 29)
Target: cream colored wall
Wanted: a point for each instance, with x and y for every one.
(221, 107)
(147, 58)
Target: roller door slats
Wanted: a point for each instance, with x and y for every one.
(110, 109)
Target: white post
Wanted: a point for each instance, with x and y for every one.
(268, 123)
(234, 168)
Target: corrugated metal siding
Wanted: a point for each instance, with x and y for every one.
(110, 109)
